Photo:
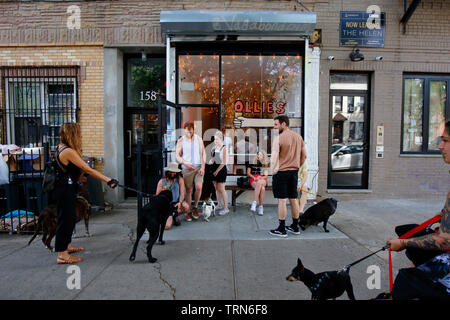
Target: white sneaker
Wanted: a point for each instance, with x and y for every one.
(223, 212)
(253, 207)
(260, 210)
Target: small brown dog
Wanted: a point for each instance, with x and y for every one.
(48, 220)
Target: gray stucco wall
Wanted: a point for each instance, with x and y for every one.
(113, 117)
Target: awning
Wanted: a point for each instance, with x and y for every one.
(211, 22)
(339, 117)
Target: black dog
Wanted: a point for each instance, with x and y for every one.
(153, 217)
(324, 285)
(320, 212)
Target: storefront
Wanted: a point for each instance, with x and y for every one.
(227, 73)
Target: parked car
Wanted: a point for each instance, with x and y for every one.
(347, 157)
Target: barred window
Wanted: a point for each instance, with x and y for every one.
(37, 101)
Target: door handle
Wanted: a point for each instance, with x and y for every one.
(129, 144)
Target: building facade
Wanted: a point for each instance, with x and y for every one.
(369, 125)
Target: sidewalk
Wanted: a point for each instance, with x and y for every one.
(230, 257)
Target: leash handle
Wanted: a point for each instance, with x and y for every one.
(391, 277)
(410, 233)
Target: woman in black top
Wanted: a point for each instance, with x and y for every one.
(70, 166)
(218, 160)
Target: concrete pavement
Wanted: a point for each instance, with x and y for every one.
(230, 257)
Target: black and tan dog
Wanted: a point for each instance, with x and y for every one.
(324, 285)
(320, 212)
(153, 217)
(47, 221)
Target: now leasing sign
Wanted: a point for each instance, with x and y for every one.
(362, 29)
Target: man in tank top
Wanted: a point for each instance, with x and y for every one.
(190, 152)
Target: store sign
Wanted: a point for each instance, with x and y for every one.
(362, 29)
(256, 107)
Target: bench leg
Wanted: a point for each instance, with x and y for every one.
(233, 200)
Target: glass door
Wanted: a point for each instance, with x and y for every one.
(142, 128)
(169, 113)
(145, 81)
(349, 121)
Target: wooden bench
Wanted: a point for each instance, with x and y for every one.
(236, 191)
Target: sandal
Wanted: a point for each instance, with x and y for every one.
(70, 260)
(75, 249)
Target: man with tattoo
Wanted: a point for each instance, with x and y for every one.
(429, 251)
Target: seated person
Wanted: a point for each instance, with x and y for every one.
(258, 172)
(173, 181)
(429, 252)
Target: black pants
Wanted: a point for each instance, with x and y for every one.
(411, 283)
(66, 197)
(416, 255)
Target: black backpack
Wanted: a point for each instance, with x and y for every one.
(51, 173)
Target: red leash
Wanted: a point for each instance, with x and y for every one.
(410, 233)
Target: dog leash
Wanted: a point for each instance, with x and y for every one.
(347, 267)
(134, 190)
(314, 194)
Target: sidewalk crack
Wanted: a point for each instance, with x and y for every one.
(158, 267)
(173, 290)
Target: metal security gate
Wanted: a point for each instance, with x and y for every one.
(34, 103)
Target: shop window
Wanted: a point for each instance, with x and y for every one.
(253, 90)
(425, 107)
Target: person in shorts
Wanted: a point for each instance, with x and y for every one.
(190, 153)
(219, 157)
(288, 155)
(429, 251)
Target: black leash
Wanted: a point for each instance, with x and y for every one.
(134, 190)
(347, 267)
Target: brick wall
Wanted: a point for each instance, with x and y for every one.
(110, 22)
(89, 59)
(424, 48)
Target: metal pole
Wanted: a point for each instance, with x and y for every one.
(139, 176)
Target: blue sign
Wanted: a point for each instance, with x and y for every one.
(362, 29)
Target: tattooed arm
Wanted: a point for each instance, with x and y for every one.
(439, 241)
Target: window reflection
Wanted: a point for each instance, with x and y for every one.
(198, 79)
(144, 79)
(412, 117)
(438, 100)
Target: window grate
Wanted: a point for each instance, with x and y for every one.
(35, 102)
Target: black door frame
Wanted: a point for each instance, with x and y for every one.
(162, 125)
(128, 112)
(366, 143)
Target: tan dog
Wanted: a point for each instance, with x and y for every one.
(47, 221)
